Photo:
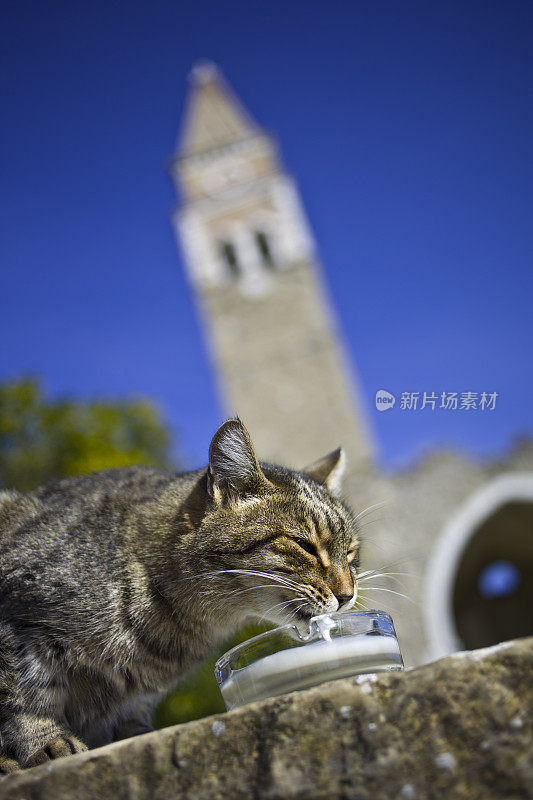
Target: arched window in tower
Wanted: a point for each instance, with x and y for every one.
(263, 245)
(229, 255)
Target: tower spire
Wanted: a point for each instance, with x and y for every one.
(214, 116)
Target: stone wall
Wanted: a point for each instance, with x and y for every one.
(461, 727)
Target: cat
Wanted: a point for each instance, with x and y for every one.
(115, 584)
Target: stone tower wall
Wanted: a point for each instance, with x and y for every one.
(282, 370)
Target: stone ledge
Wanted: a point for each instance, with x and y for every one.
(461, 727)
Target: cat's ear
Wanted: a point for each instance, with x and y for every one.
(329, 471)
(233, 467)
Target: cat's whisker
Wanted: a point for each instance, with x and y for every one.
(235, 592)
(391, 591)
(385, 575)
(374, 573)
(259, 573)
(374, 542)
(395, 563)
(282, 581)
(281, 605)
(294, 612)
(363, 525)
(365, 603)
(369, 509)
(371, 575)
(390, 565)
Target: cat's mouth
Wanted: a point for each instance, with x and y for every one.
(304, 614)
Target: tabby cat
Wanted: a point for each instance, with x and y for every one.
(113, 585)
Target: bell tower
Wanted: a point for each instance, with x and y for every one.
(253, 269)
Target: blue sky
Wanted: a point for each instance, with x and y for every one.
(409, 128)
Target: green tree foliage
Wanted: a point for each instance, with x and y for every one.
(43, 440)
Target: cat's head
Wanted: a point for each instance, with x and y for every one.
(285, 544)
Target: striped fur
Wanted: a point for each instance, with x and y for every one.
(115, 584)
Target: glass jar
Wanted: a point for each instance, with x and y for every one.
(284, 660)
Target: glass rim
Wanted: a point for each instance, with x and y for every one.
(229, 656)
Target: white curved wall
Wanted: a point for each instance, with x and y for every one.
(441, 633)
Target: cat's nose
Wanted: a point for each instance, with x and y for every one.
(343, 598)
(342, 586)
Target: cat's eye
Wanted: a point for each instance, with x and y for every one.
(351, 555)
(309, 547)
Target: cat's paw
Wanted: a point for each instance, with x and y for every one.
(8, 765)
(59, 747)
